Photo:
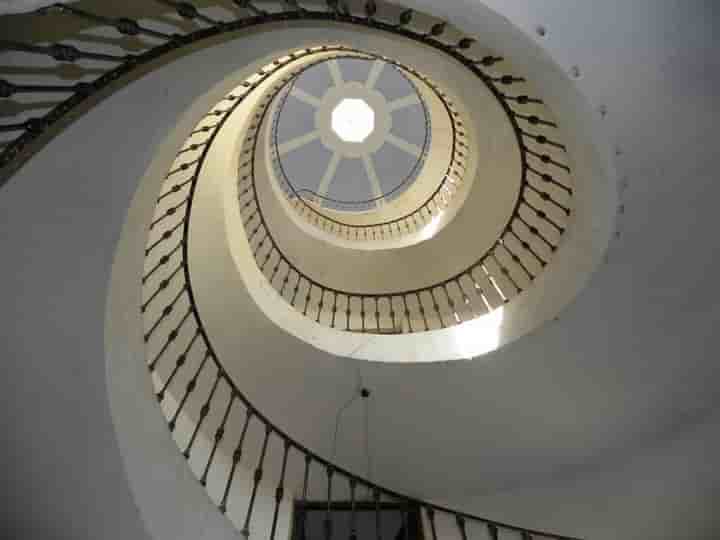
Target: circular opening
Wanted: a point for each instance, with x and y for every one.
(353, 120)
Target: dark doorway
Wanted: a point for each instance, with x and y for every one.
(396, 521)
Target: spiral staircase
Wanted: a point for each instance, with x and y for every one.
(356, 269)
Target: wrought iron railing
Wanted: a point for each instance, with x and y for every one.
(517, 257)
(192, 385)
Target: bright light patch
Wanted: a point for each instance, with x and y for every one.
(480, 335)
(353, 120)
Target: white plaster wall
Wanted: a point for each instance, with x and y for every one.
(59, 264)
(665, 492)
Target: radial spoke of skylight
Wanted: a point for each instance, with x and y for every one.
(404, 145)
(298, 142)
(329, 174)
(401, 103)
(374, 74)
(335, 73)
(373, 178)
(303, 96)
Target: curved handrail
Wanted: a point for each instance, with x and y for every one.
(31, 130)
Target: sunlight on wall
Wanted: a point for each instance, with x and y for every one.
(478, 336)
(431, 228)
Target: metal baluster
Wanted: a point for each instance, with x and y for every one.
(333, 6)
(545, 177)
(293, 5)
(542, 215)
(268, 254)
(250, 6)
(522, 99)
(542, 139)
(320, 304)
(204, 411)
(488, 61)
(161, 262)
(123, 25)
(21, 126)
(285, 280)
(436, 30)
(547, 159)
(161, 287)
(534, 120)
(507, 79)
(192, 383)
(405, 18)
(466, 298)
(464, 44)
(392, 312)
(494, 283)
(461, 525)
(219, 434)
(505, 271)
(188, 11)
(547, 197)
(61, 52)
(405, 521)
(362, 312)
(167, 310)
(172, 336)
(378, 524)
(516, 259)
(280, 489)
(328, 520)
(407, 313)
(8, 89)
(536, 232)
(180, 362)
(526, 245)
(296, 289)
(334, 309)
(307, 298)
(451, 303)
(303, 515)
(431, 518)
(182, 167)
(436, 307)
(422, 311)
(168, 213)
(377, 315)
(353, 514)
(237, 454)
(276, 268)
(257, 478)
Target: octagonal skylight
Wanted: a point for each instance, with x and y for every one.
(353, 120)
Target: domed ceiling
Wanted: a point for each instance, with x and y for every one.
(351, 133)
